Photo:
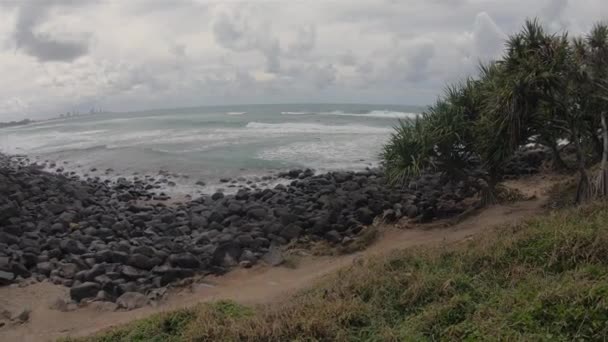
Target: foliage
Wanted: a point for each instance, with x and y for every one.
(544, 89)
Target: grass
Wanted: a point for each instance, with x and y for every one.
(544, 280)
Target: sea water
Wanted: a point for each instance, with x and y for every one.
(208, 143)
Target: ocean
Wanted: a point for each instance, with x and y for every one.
(209, 143)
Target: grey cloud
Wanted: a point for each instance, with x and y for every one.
(488, 37)
(348, 59)
(304, 41)
(419, 61)
(41, 45)
(159, 52)
(235, 32)
(553, 12)
(323, 76)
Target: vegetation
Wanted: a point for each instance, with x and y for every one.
(547, 88)
(544, 280)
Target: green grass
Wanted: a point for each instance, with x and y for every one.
(544, 280)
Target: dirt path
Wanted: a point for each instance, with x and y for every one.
(249, 286)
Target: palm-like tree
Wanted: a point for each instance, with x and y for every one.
(597, 62)
(545, 88)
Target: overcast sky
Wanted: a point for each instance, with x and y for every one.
(66, 55)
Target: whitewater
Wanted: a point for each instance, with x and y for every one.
(208, 143)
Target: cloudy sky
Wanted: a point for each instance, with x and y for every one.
(66, 55)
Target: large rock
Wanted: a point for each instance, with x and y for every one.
(143, 261)
(84, 290)
(274, 257)
(292, 231)
(72, 246)
(185, 260)
(6, 277)
(365, 215)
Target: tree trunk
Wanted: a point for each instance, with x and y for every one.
(598, 146)
(558, 163)
(602, 179)
(489, 195)
(583, 191)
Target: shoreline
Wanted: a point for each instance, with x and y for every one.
(109, 239)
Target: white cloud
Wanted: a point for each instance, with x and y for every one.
(66, 55)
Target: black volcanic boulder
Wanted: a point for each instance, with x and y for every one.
(143, 261)
(184, 260)
(365, 215)
(226, 254)
(6, 277)
(290, 232)
(84, 290)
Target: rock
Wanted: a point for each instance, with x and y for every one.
(5, 264)
(72, 246)
(22, 317)
(290, 232)
(217, 196)
(143, 261)
(185, 260)
(67, 270)
(333, 236)
(84, 290)
(365, 215)
(248, 255)
(257, 213)
(411, 211)
(62, 305)
(274, 257)
(131, 272)
(226, 254)
(6, 277)
(170, 274)
(57, 228)
(389, 216)
(132, 300)
(245, 264)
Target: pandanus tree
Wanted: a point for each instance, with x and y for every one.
(546, 88)
(439, 140)
(597, 64)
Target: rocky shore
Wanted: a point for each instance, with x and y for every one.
(113, 240)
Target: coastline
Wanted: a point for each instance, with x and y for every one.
(105, 239)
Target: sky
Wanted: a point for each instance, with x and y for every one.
(123, 55)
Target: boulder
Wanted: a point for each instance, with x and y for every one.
(84, 290)
(290, 232)
(365, 215)
(184, 260)
(143, 261)
(274, 257)
(6, 277)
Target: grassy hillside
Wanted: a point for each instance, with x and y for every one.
(545, 280)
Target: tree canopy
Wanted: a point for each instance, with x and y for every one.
(547, 88)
